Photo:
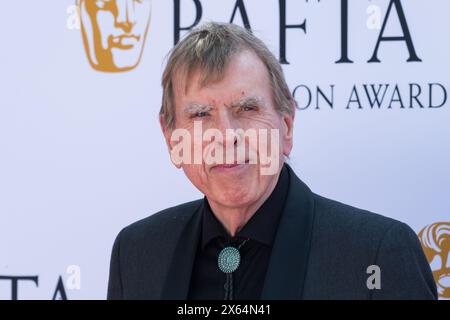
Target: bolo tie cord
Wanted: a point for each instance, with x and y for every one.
(229, 279)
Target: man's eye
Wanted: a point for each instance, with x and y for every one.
(200, 114)
(248, 108)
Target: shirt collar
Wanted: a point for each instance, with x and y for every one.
(261, 227)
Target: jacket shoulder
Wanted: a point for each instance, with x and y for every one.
(163, 222)
(142, 251)
(342, 218)
(347, 240)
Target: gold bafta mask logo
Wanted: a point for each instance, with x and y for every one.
(114, 32)
(435, 240)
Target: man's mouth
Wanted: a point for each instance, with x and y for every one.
(125, 41)
(228, 166)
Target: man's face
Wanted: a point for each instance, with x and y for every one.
(114, 32)
(241, 100)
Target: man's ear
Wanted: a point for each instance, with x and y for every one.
(288, 132)
(167, 132)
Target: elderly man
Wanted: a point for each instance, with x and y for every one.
(257, 233)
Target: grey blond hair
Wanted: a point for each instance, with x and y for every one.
(209, 48)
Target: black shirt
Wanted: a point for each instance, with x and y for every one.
(207, 281)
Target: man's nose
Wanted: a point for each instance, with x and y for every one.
(227, 125)
(125, 17)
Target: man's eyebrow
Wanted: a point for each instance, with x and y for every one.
(249, 101)
(192, 108)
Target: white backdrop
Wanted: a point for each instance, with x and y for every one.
(82, 155)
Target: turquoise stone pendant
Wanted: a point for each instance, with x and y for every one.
(229, 259)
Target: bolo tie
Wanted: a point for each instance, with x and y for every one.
(228, 261)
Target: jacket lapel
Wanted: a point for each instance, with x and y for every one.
(288, 262)
(176, 286)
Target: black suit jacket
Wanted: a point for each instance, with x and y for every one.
(322, 250)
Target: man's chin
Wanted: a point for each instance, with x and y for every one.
(233, 197)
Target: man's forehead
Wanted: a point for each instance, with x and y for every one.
(186, 79)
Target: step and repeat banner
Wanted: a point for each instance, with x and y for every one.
(82, 154)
